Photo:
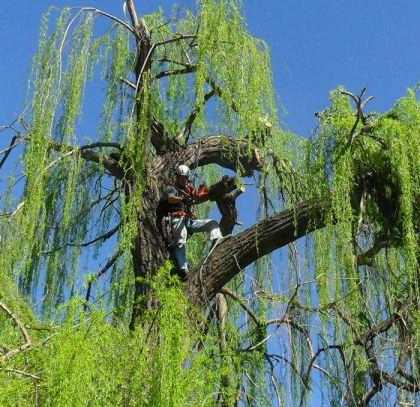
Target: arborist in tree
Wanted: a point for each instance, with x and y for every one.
(176, 217)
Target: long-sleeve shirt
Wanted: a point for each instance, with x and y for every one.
(182, 208)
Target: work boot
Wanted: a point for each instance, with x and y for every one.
(181, 273)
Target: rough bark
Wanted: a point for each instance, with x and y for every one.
(226, 152)
(149, 253)
(234, 253)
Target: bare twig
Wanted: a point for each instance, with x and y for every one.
(177, 37)
(102, 237)
(241, 302)
(172, 72)
(105, 236)
(360, 116)
(21, 373)
(128, 83)
(24, 332)
(257, 345)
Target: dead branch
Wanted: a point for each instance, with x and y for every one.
(360, 104)
(131, 8)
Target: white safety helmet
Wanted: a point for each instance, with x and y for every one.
(183, 170)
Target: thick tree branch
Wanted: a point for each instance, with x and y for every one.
(229, 153)
(161, 140)
(111, 163)
(234, 253)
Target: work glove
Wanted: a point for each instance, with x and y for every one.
(188, 200)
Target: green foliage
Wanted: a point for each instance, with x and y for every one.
(372, 176)
(237, 62)
(88, 361)
(368, 173)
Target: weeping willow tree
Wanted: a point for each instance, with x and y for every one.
(90, 311)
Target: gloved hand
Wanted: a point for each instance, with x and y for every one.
(188, 200)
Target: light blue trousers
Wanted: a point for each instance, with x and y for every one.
(184, 227)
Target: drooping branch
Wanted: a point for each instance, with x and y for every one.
(101, 238)
(111, 261)
(176, 38)
(242, 303)
(191, 118)
(234, 253)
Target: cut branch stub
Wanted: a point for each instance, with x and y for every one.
(225, 193)
(220, 189)
(227, 207)
(161, 141)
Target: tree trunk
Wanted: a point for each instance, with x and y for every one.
(149, 253)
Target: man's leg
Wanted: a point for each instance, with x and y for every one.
(178, 249)
(206, 225)
(180, 257)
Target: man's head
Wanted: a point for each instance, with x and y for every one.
(182, 174)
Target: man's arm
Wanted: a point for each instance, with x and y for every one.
(201, 194)
(172, 195)
(173, 199)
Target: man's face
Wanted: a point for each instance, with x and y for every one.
(181, 180)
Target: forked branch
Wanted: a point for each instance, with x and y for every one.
(360, 104)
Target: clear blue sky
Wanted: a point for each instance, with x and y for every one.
(316, 45)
